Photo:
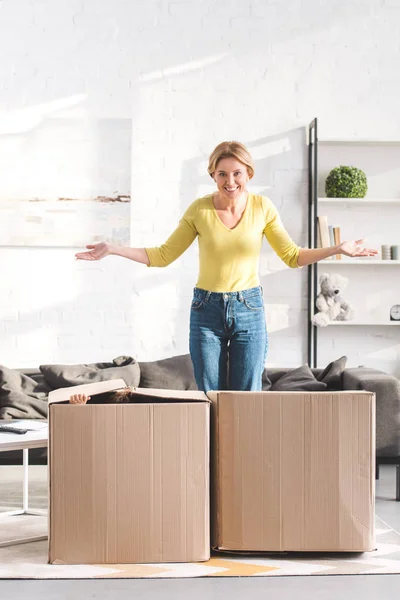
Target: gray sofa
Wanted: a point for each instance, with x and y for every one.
(177, 373)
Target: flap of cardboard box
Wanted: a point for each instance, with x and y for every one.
(215, 395)
(89, 389)
(171, 395)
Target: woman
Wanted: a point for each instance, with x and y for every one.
(228, 336)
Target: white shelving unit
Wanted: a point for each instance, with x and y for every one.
(349, 149)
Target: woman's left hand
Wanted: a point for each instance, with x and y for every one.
(356, 248)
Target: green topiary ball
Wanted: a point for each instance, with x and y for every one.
(346, 182)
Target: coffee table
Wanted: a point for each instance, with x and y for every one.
(36, 437)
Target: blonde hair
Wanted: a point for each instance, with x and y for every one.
(230, 150)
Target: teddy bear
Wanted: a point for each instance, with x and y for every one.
(330, 303)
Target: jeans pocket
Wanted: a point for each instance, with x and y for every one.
(254, 303)
(196, 303)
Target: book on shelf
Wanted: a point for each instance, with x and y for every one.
(323, 230)
(327, 235)
(331, 238)
(336, 239)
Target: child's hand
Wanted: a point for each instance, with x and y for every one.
(79, 399)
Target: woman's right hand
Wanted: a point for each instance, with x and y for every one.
(96, 251)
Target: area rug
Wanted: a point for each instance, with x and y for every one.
(29, 561)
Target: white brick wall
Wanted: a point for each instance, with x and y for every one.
(190, 74)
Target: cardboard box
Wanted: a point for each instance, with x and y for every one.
(129, 483)
(293, 471)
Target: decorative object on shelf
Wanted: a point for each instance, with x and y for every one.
(330, 304)
(346, 182)
(385, 252)
(395, 312)
(395, 252)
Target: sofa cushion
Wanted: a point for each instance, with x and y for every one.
(301, 379)
(275, 373)
(21, 396)
(332, 374)
(122, 367)
(175, 373)
(266, 382)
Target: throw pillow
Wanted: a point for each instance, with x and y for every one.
(175, 373)
(301, 379)
(22, 397)
(332, 374)
(122, 367)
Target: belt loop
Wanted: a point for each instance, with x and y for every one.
(208, 296)
(240, 297)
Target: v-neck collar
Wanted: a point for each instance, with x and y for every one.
(240, 220)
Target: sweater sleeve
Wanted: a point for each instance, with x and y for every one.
(179, 241)
(277, 236)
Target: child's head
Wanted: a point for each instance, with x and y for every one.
(119, 396)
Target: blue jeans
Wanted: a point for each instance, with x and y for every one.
(228, 339)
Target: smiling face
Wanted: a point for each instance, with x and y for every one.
(231, 177)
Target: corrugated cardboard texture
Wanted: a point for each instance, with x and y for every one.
(293, 471)
(129, 483)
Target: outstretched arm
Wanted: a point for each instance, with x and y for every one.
(308, 256)
(161, 256)
(103, 249)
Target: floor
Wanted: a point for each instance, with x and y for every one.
(325, 587)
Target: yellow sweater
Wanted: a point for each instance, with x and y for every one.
(229, 258)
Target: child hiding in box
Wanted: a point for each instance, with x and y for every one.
(113, 397)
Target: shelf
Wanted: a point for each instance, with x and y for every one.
(363, 323)
(359, 261)
(367, 200)
(378, 205)
(355, 142)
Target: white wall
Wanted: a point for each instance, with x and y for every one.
(190, 74)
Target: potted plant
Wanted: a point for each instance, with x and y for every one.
(346, 182)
